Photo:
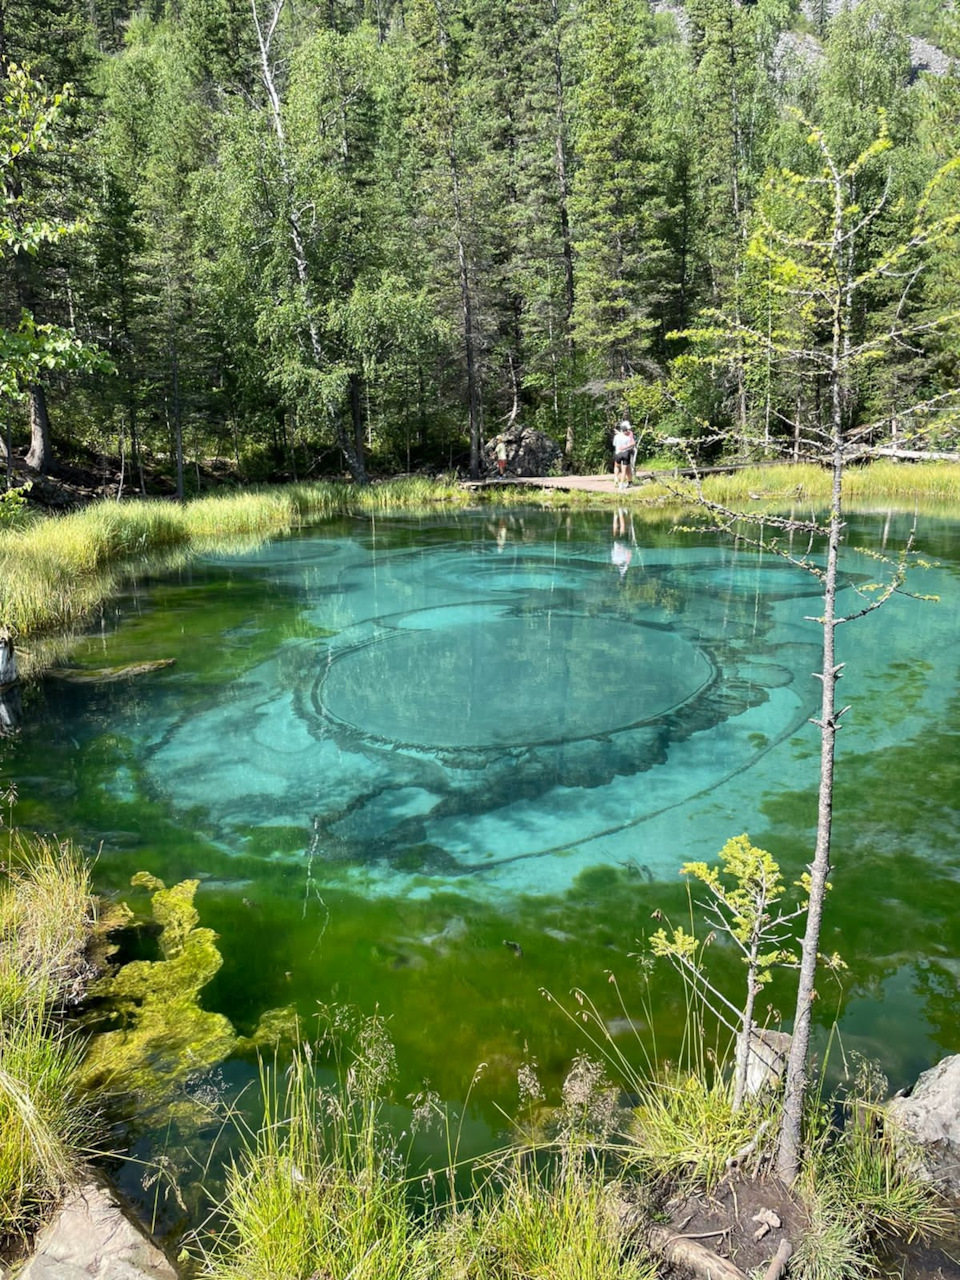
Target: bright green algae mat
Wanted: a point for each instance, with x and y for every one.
(388, 747)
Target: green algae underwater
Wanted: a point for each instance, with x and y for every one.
(447, 768)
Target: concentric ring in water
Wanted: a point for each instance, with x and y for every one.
(568, 676)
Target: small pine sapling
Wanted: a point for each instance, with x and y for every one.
(744, 896)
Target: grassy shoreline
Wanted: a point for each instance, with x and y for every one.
(55, 571)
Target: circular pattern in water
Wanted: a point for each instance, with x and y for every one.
(485, 676)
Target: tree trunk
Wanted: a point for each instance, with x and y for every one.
(177, 419)
(795, 1077)
(356, 416)
(566, 238)
(40, 457)
(788, 1155)
(745, 1036)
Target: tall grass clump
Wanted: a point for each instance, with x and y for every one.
(859, 1194)
(685, 1128)
(317, 1188)
(885, 480)
(860, 1187)
(260, 513)
(806, 486)
(46, 917)
(555, 1214)
(44, 1123)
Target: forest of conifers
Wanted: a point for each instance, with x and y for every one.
(370, 233)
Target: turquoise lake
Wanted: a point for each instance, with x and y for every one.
(389, 746)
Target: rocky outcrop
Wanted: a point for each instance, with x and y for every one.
(91, 1238)
(930, 1116)
(768, 1059)
(925, 56)
(529, 453)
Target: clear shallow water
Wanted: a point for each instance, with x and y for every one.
(386, 747)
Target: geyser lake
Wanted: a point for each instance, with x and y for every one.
(389, 746)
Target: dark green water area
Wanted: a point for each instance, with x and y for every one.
(389, 746)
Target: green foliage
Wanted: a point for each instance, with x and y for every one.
(743, 902)
(28, 122)
(469, 212)
(13, 506)
(46, 921)
(685, 1128)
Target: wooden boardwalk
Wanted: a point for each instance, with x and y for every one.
(592, 484)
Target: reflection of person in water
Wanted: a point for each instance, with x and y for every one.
(500, 532)
(620, 554)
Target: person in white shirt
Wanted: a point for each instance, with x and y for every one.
(624, 445)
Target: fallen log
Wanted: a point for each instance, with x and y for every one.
(682, 1251)
(778, 1263)
(105, 675)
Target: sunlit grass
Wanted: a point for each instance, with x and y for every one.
(317, 1188)
(45, 921)
(561, 1216)
(321, 1189)
(685, 1127)
(43, 1124)
(55, 571)
(47, 914)
(805, 486)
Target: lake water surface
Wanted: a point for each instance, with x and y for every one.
(388, 747)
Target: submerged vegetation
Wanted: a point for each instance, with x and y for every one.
(322, 1183)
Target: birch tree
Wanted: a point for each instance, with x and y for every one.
(266, 24)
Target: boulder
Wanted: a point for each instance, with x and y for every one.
(529, 453)
(930, 1117)
(8, 659)
(91, 1236)
(769, 1051)
(11, 710)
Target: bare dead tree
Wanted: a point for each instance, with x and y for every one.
(817, 266)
